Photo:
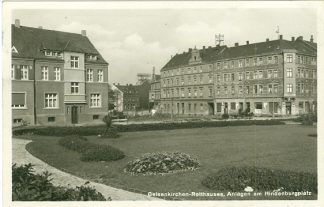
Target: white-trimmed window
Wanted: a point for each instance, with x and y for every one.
(12, 71)
(89, 75)
(289, 73)
(289, 88)
(275, 73)
(18, 100)
(95, 100)
(57, 73)
(240, 63)
(48, 53)
(100, 75)
(270, 88)
(51, 100)
(240, 76)
(74, 87)
(74, 62)
(24, 72)
(289, 58)
(44, 70)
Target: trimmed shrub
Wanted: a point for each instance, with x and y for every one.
(225, 116)
(91, 151)
(110, 132)
(93, 130)
(27, 186)
(102, 153)
(260, 179)
(162, 163)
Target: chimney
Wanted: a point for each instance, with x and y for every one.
(292, 39)
(84, 32)
(247, 42)
(236, 44)
(40, 27)
(209, 47)
(190, 49)
(280, 37)
(17, 23)
(204, 47)
(267, 39)
(312, 38)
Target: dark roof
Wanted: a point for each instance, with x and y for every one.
(31, 41)
(157, 77)
(224, 52)
(127, 87)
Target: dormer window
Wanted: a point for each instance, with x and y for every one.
(48, 53)
(92, 57)
(14, 50)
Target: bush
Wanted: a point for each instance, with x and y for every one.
(93, 130)
(225, 116)
(91, 151)
(111, 132)
(102, 153)
(260, 179)
(162, 163)
(27, 186)
(307, 119)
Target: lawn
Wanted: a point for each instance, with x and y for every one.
(285, 147)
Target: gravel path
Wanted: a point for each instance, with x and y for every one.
(22, 156)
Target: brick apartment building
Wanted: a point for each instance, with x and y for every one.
(57, 77)
(272, 77)
(155, 92)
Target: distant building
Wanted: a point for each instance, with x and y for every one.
(155, 92)
(116, 98)
(143, 77)
(130, 94)
(57, 77)
(272, 77)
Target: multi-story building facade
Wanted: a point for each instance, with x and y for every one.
(271, 77)
(155, 92)
(57, 77)
(131, 101)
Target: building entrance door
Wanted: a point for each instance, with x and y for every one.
(74, 114)
(288, 108)
(211, 108)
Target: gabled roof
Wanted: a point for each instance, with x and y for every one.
(222, 53)
(31, 41)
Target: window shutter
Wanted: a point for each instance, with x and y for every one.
(18, 99)
(17, 72)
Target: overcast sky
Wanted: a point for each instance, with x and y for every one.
(133, 41)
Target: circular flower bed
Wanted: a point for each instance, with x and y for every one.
(162, 163)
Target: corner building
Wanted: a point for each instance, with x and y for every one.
(272, 77)
(58, 78)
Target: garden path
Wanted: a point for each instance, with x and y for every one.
(22, 156)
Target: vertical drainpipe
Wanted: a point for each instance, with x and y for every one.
(108, 88)
(34, 87)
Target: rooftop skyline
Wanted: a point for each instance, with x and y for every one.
(133, 41)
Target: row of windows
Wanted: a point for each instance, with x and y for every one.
(190, 79)
(24, 73)
(188, 92)
(306, 88)
(51, 100)
(240, 63)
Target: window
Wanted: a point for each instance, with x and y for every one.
(240, 63)
(276, 59)
(247, 62)
(233, 105)
(51, 100)
(261, 89)
(218, 78)
(260, 61)
(95, 117)
(258, 105)
(44, 72)
(225, 64)
(219, 107)
(182, 80)
(74, 62)
(210, 76)
(51, 119)
(95, 100)
(48, 53)
(226, 77)
(218, 90)
(24, 72)
(232, 64)
(255, 75)
(57, 73)
(289, 73)
(270, 88)
(240, 89)
(232, 89)
(100, 75)
(182, 92)
(12, 71)
(269, 60)
(18, 100)
(247, 75)
(89, 75)
(275, 88)
(260, 74)
(247, 89)
(18, 121)
(255, 89)
(240, 76)
(189, 92)
(289, 88)
(269, 75)
(232, 76)
(195, 92)
(218, 66)
(275, 73)
(74, 87)
(225, 90)
(210, 92)
(289, 58)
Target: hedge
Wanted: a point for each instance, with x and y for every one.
(28, 186)
(260, 179)
(91, 151)
(95, 130)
